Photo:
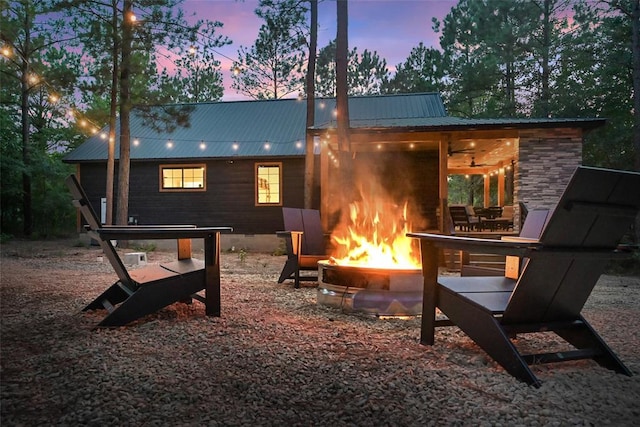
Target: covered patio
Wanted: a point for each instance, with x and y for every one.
(525, 161)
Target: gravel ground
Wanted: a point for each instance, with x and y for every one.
(276, 358)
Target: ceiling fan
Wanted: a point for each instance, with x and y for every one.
(451, 151)
(473, 163)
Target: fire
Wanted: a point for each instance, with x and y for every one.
(375, 236)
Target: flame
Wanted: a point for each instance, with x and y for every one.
(375, 236)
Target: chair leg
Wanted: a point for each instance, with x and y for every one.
(289, 270)
(586, 337)
(149, 298)
(113, 295)
(297, 279)
(483, 328)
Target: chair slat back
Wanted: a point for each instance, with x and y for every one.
(534, 224)
(307, 221)
(595, 211)
(313, 234)
(81, 201)
(292, 218)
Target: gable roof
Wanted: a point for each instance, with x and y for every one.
(254, 128)
(276, 128)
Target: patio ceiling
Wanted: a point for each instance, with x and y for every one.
(469, 152)
(479, 155)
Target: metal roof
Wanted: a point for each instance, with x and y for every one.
(277, 127)
(252, 128)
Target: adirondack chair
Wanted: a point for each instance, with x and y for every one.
(583, 233)
(145, 290)
(304, 243)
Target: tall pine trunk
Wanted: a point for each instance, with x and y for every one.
(342, 105)
(111, 150)
(27, 214)
(125, 109)
(311, 110)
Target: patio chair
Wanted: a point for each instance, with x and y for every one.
(146, 290)
(462, 218)
(304, 243)
(583, 233)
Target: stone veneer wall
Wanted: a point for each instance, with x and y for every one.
(547, 158)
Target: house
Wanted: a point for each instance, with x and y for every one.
(237, 163)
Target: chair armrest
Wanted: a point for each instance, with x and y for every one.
(492, 246)
(162, 232)
(286, 234)
(519, 239)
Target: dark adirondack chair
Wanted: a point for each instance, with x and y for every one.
(583, 233)
(145, 290)
(304, 243)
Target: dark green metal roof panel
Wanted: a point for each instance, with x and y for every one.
(277, 127)
(253, 128)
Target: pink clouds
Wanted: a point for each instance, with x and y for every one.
(390, 27)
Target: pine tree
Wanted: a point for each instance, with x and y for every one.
(274, 66)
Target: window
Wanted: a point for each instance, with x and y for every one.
(183, 177)
(268, 184)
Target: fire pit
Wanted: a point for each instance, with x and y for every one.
(375, 291)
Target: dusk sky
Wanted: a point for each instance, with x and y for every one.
(390, 27)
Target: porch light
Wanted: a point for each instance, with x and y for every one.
(202, 145)
(169, 144)
(298, 144)
(103, 135)
(267, 146)
(235, 146)
(136, 142)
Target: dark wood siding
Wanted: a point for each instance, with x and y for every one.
(229, 199)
